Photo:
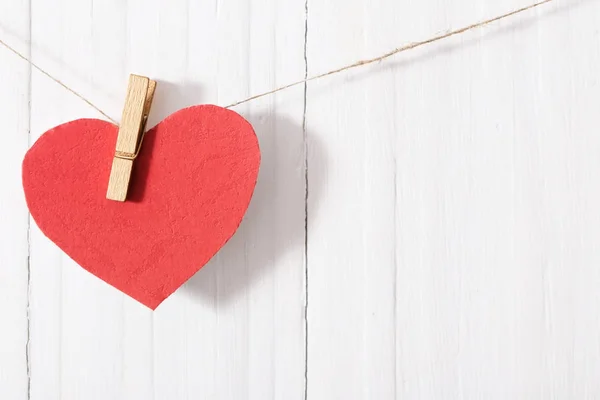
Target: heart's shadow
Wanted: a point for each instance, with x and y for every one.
(269, 247)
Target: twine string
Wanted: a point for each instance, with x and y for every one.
(357, 64)
(391, 53)
(47, 74)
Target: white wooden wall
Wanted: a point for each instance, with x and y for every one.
(424, 228)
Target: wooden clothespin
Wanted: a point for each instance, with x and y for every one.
(131, 133)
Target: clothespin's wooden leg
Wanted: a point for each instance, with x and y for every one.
(133, 123)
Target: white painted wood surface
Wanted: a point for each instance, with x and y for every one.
(425, 228)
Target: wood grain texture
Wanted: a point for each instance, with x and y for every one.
(451, 209)
(452, 256)
(14, 222)
(140, 93)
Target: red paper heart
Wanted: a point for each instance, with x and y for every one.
(190, 188)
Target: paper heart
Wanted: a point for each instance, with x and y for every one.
(191, 185)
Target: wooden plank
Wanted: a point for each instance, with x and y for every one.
(14, 116)
(235, 331)
(351, 202)
(456, 236)
(77, 322)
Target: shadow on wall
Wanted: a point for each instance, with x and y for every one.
(272, 233)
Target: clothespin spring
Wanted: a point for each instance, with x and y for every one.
(132, 156)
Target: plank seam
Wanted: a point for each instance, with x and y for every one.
(28, 305)
(305, 138)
